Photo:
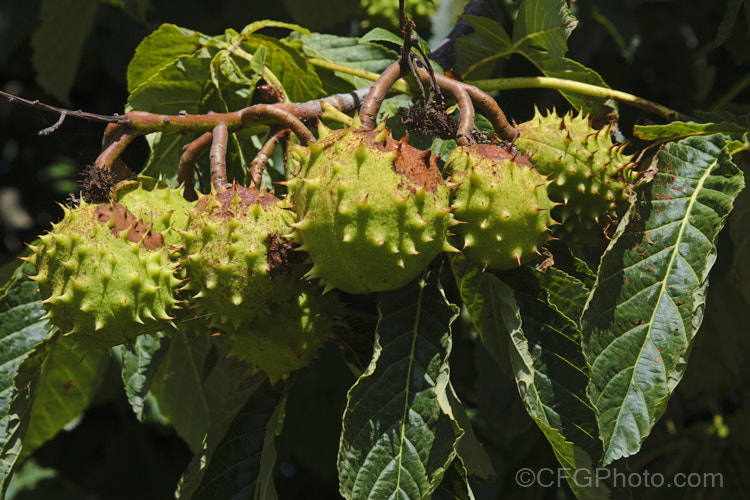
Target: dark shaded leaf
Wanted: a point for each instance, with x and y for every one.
(194, 382)
(552, 375)
(237, 459)
(58, 43)
(483, 295)
(20, 330)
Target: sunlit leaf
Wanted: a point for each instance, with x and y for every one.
(649, 297)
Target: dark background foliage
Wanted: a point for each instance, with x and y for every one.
(671, 52)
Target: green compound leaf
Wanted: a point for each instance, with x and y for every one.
(193, 383)
(58, 43)
(552, 375)
(238, 456)
(649, 298)
(398, 439)
(20, 330)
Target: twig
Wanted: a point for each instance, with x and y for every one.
(77, 114)
(218, 157)
(118, 169)
(52, 128)
(117, 137)
(143, 122)
(192, 151)
(275, 136)
(368, 114)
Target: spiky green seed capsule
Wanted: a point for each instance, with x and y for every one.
(104, 276)
(289, 337)
(237, 254)
(588, 172)
(373, 212)
(158, 205)
(503, 203)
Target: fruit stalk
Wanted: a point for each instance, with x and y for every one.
(192, 151)
(368, 114)
(275, 136)
(218, 157)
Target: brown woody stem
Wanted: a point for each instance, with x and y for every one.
(218, 157)
(116, 138)
(275, 136)
(368, 114)
(144, 123)
(491, 110)
(192, 151)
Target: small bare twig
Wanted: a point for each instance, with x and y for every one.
(192, 151)
(52, 128)
(218, 157)
(77, 114)
(275, 136)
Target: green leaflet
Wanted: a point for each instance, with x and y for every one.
(53, 385)
(160, 49)
(482, 294)
(20, 330)
(551, 375)
(66, 385)
(397, 440)
(540, 34)
(58, 43)
(533, 328)
(237, 459)
(564, 292)
(677, 130)
(350, 51)
(139, 364)
(193, 383)
(648, 301)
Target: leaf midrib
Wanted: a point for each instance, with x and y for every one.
(402, 432)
